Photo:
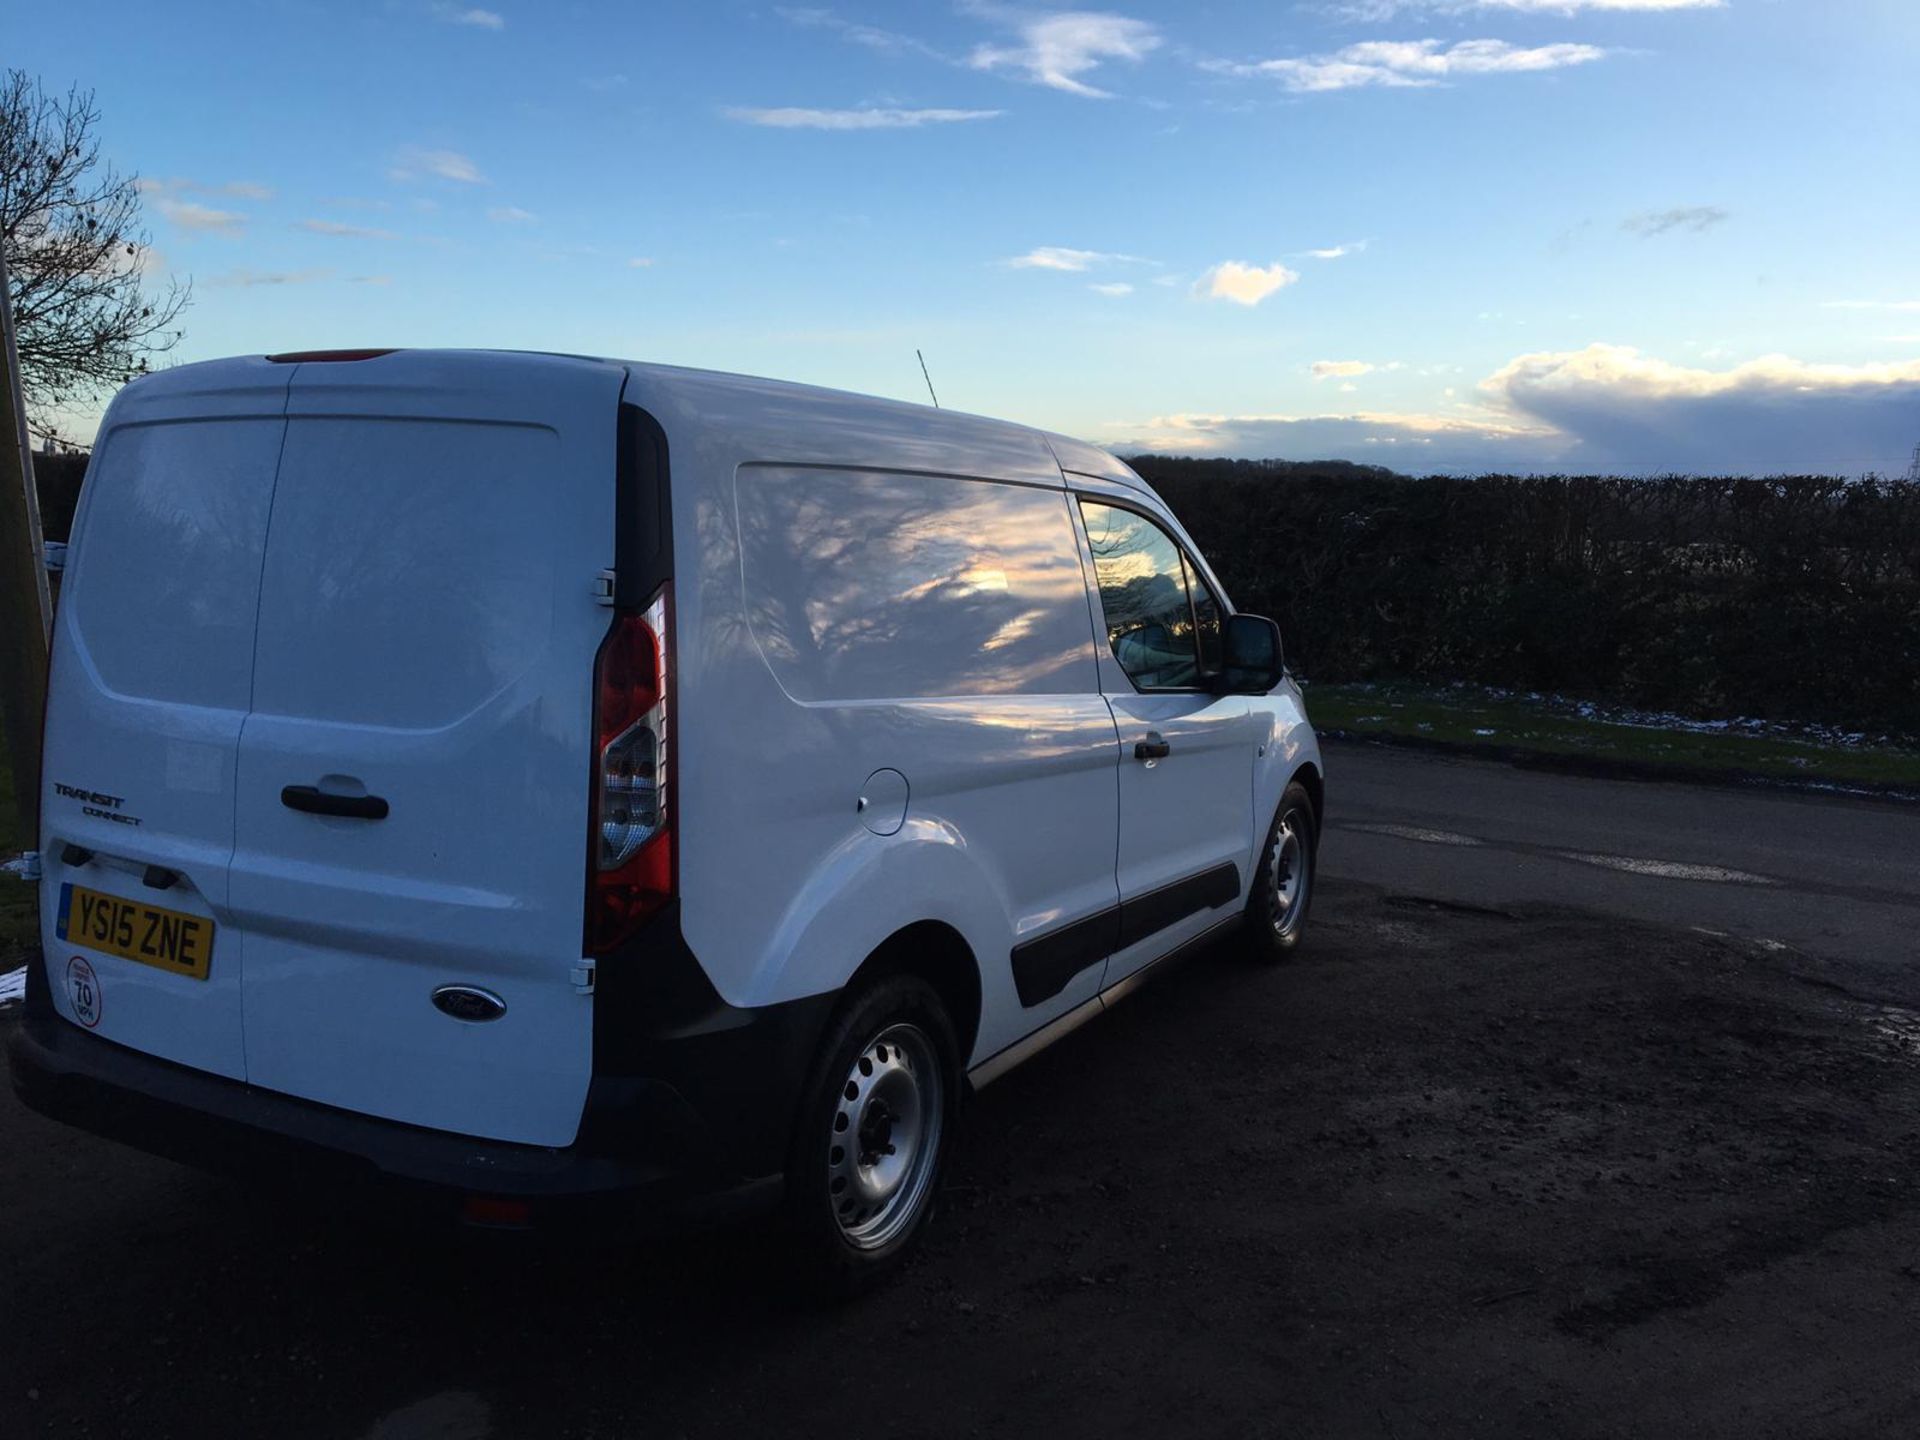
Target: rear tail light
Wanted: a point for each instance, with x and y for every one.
(631, 873)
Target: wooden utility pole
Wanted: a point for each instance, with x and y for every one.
(26, 609)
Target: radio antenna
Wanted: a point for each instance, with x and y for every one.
(926, 377)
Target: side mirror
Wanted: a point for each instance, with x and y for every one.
(1254, 661)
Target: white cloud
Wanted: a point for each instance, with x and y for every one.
(1337, 252)
(1627, 410)
(1414, 442)
(245, 278)
(1569, 7)
(640, 262)
(1694, 218)
(191, 216)
(1057, 49)
(1408, 63)
(1060, 257)
(1900, 306)
(369, 279)
(511, 215)
(414, 162)
(345, 232)
(887, 42)
(1340, 369)
(462, 15)
(793, 117)
(1607, 408)
(1244, 284)
(1388, 9)
(1116, 289)
(238, 189)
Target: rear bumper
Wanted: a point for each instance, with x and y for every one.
(645, 1146)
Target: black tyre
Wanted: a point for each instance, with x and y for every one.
(1282, 888)
(874, 1130)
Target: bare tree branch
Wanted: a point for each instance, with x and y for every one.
(76, 251)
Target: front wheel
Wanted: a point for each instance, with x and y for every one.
(1283, 882)
(874, 1132)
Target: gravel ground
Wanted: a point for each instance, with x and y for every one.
(1449, 1172)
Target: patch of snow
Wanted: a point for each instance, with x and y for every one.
(1486, 732)
(13, 986)
(1668, 869)
(1833, 788)
(1628, 717)
(1414, 832)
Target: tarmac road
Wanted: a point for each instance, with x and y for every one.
(1521, 1169)
(1837, 876)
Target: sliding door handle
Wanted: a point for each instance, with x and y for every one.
(310, 801)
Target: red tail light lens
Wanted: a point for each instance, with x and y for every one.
(631, 872)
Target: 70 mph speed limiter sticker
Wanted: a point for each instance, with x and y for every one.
(83, 992)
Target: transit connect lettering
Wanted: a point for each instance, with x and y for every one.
(92, 797)
(96, 805)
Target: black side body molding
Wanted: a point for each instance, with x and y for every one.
(1043, 967)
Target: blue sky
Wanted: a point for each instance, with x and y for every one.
(1436, 234)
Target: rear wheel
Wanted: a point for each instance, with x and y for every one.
(1283, 882)
(874, 1131)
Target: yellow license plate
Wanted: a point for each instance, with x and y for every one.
(165, 939)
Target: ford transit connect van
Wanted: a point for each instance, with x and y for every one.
(551, 779)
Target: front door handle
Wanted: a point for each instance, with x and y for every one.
(310, 801)
(1151, 748)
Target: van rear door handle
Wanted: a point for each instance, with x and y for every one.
(1151, 748)
(316, 802)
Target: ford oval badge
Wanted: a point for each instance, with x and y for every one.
(469, 1002)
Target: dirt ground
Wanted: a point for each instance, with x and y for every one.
(1447, 1173)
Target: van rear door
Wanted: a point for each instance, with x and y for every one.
(151, 676)
(413, 777)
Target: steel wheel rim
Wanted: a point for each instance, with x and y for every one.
(1290, 871)
(885, 1136)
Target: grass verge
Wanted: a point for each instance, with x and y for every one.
(1512, 725)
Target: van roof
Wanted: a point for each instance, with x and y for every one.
(702, 390)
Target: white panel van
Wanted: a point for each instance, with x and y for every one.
(551, 781)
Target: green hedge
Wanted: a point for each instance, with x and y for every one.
(1786, 599)
(58, 478)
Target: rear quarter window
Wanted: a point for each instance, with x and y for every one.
(878, 586)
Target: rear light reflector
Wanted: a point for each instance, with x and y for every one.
(631, 872)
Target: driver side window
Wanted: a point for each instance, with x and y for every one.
(1143, 591)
